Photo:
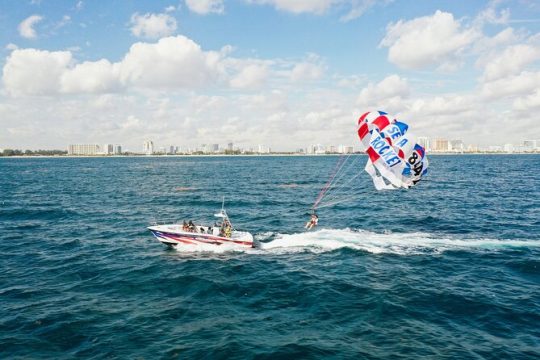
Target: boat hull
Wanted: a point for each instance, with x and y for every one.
(172, 235)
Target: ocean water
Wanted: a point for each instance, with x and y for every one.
(447, 270)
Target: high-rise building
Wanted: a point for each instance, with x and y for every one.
(424, 142)
(263, 149)
(108, 149)
(530, 145)
(148, 147)
(319, 149)
(230, 146)
(441, 145)
(117, 149)
(456, 146)
(84, 149)
(215, 148)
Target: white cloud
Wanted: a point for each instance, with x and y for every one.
(34, 72)
(66, 19)
(516, 85)
(428, 41)
(490, 15)
(152, 26)
(251, 76)
(11, 47)
(80, 5)
(305, 71)
(356, 8)
(26, 27)
(359, 7)
(171, 62)
(204, 7)
(170, 8)
(512, 61)
(91, 77)
(530, 102)
(299, 6)
(388, 93)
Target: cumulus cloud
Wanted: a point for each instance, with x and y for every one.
(428, 41)
(35, 72)
(387, 93)
(512, 61)
(152, 26)
(171, 62)
(527, 103)
(204, 7)
(306, 71)
(91, 77)
(299, 6)
(515, 85)
(26, 27)
(251, 76)
(356, 8)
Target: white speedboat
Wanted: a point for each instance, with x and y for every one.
(192, 234)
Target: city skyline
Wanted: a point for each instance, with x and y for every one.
(279, 73)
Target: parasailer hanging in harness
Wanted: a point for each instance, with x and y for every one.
(313, 221)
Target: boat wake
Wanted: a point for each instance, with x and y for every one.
(325, 240)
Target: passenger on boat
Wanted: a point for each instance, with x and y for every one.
(210, 230)
(191, 226)
(228, 231)
(185, 226)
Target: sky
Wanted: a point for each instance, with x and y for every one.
(283, 73)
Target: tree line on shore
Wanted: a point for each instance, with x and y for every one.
(16, 152)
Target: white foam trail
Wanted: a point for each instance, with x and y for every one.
(325, 240)
(377, 243)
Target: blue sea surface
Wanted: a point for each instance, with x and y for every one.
(447, 270)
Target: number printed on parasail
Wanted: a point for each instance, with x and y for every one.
(396, 160)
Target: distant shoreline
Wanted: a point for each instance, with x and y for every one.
(239, 155)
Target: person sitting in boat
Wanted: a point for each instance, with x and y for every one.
(312, 222)
(185, 226)
(227, 232)
(210, 230)
(201, 230)
(191, 226)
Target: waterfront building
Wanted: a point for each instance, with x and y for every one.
(424, 142)
(215, 148)
(108, 149)
(230, 146)
(441, 145)
(319, 149)
(530, 145)
(472, 148)
(148, 147)
(84, 149)
(456, 146)
(263, 149)
(117, 149)
(508, 148)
